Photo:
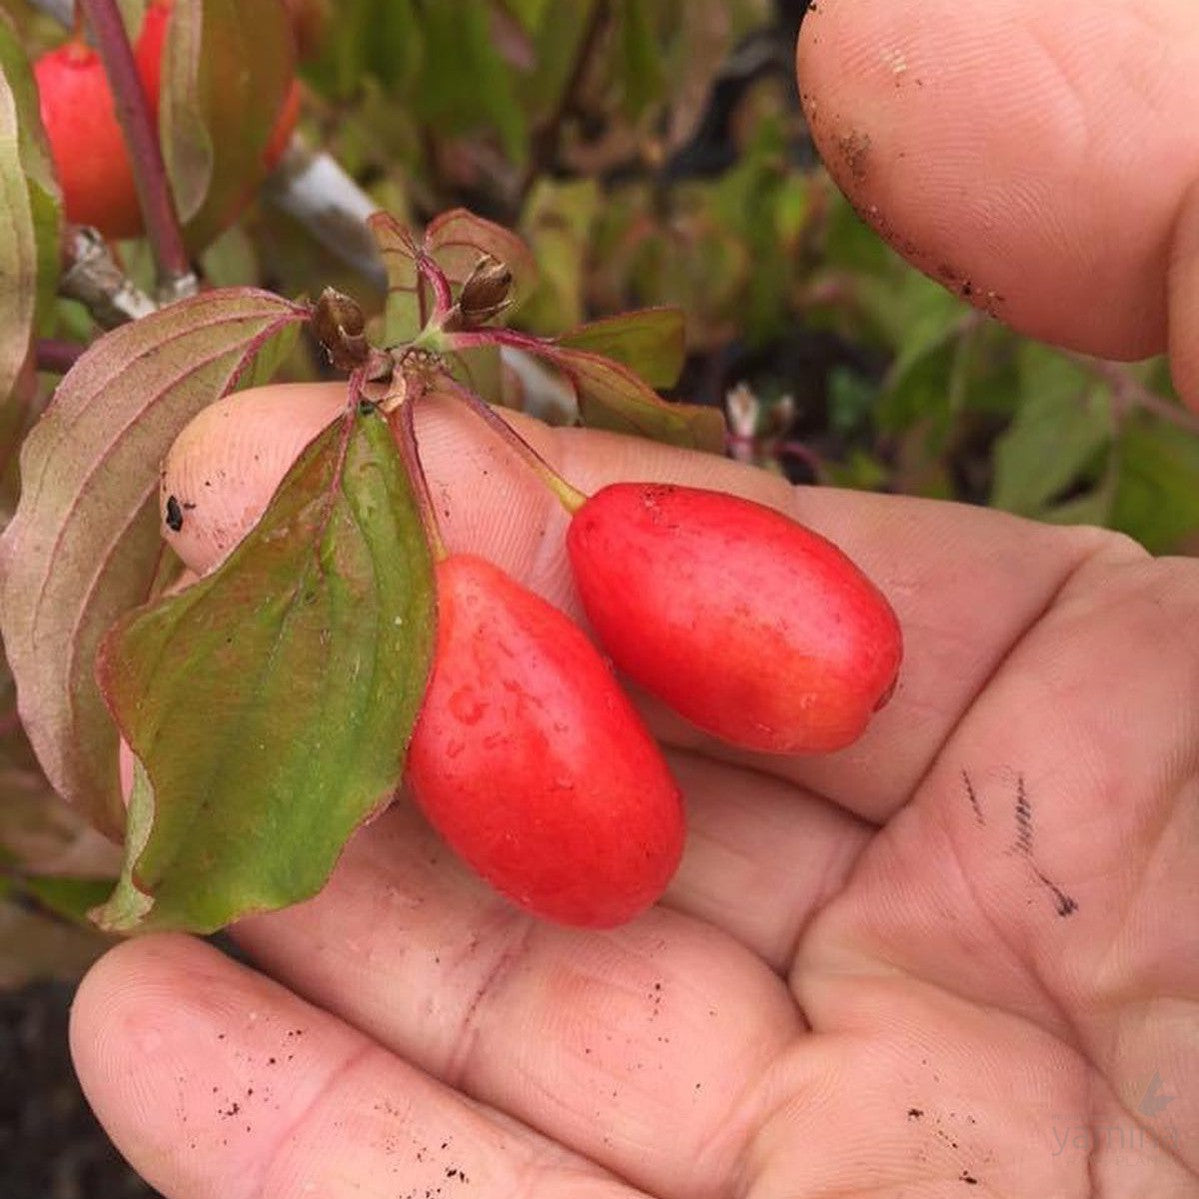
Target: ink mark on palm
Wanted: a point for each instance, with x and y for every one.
(1066, 905)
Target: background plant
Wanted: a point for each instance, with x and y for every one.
(650, 152)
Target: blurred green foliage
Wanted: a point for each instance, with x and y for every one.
(652, 152)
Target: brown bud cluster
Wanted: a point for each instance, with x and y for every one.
(486, 292)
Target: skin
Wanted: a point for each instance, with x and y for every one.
(863, 981)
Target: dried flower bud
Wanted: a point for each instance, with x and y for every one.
(340, 327)
(486, 292)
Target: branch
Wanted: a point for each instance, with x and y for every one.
(56, 357)
(1130, 392)
(91, 277)
(317, 192)
(175, 277)
(547, 140)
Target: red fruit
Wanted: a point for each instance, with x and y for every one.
(86, 142)
(285, 126)
(532, 763)
(149, 47)
(754, 628)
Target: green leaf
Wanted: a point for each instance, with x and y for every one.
(31, 235)
(558, 220)
(1157, 494)
(272, 353)
(29, 246)
(559, 36)
(651, 342)
(408, 302)
(227, 67)
(529, 12)
(270, 704)
(84, 544)
(466, 84)
(481, 369)
(1060, 427)
(71, 898)
(612, 397)
(641, 71)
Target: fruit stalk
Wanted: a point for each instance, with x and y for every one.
(403, 429)
(56, 357)
(571, 498)
(175, 277)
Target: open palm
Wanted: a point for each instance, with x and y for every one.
(958, 958)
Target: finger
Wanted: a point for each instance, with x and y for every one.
(1184, 300)
(596, 1040)
(965, 582)
(218, 1084)
(1035, 157)
(1048, 865)
(761, 856)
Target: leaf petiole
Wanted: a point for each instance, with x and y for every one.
(569, 496)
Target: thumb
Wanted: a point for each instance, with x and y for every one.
(1041, 159)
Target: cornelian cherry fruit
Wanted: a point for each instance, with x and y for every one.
(751, 626)
(533, 764)
(149, 47)
(86, 142)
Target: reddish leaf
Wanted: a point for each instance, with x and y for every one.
(650, 342)
(458, 239)
(612, 397)
(227, 67)
(84, 544)
(408, 304)
(29, 245)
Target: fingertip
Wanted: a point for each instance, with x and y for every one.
(1184, 300)
(1030, 157)
(122, 1002)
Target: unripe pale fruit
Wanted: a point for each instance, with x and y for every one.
(86, 142)
(754, 628)
(533, 764)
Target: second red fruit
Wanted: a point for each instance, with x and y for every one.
(532, 763)
(754, 628)
(86, 142)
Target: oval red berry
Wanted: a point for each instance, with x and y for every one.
(756, 629)
(533, 764)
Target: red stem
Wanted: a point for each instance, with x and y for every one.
(570, 497)
(403, 429)
(141, 138)
(56, 357)
(502, 337)
(436, 279)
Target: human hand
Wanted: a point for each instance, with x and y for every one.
(960, 954)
